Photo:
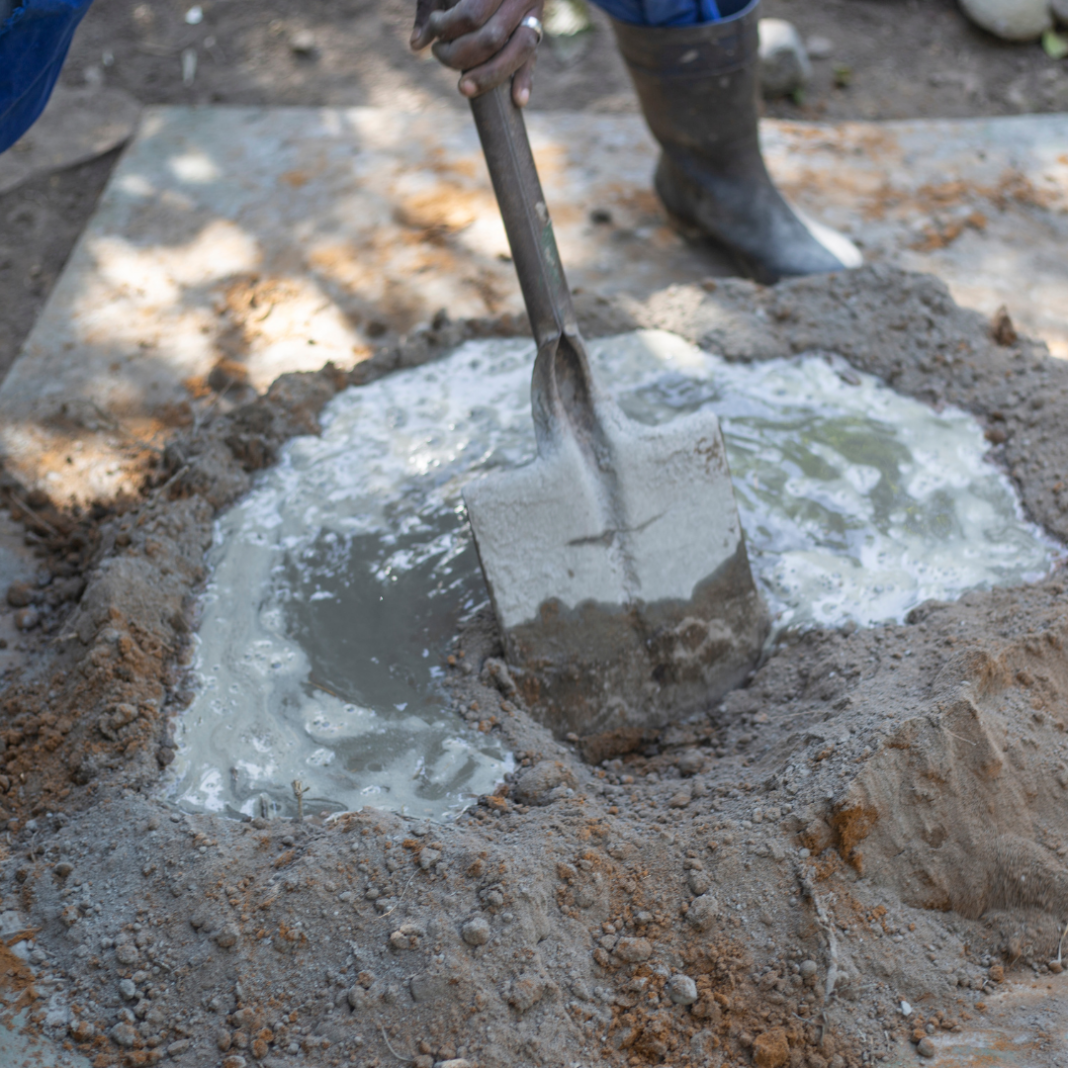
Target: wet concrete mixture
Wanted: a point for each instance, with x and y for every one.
(876, 818)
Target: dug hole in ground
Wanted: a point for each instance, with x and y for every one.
(877, 818)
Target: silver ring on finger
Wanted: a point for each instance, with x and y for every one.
(532, 22)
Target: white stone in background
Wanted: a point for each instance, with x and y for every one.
(1059, 8)
(819, 47)
(784, 64)
(1011, 20)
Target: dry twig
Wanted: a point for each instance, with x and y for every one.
(399, 1056)
(299, 790)
(825, 925)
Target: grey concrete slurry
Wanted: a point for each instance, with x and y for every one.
(857, 504)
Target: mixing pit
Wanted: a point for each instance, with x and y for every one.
(858, 504)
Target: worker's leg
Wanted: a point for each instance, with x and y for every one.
(698, 83)
(34, 38)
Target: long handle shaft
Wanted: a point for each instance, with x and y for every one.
(526, 218)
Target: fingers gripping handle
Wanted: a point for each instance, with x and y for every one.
(561, 387)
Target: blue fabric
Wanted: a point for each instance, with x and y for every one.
(661, 12)
(671, 12)
(33, 45)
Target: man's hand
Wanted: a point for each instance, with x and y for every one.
(484, 39)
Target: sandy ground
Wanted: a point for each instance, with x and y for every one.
(890, 59)
(877, 818)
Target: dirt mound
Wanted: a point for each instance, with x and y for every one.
(877, 817)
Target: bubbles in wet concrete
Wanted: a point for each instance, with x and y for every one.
(339, 581)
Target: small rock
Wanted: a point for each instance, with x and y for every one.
(808, 969)
(223, 1040)
(698, 882)
(235, 1060)
(536, 784)
(227, 936)
(771, 1049)
(817, 836)
(428, 858)
(176, 1049)
(633, 950)
(819, 47)
(27, 618)
(524, 993)
(1056, 967)
(81, 1030)
(20, 594)
(495, 673)
(691, 762)
(57, 1018)
(128, 989)
(124, 1035)
(302, 43)
(682, 990)
(1002, 328)
(455, 1062)
(703, 912)
(428, 987)
(906, 1009)
(784, 64)
(63, 868)
(476, 932)
(925, 1048)
(680, 800)
(1011, 20)
(127, 954)
(122, 714)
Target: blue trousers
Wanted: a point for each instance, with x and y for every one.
(671, 12)
(34, 40)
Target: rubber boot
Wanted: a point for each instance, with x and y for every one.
(699, 88)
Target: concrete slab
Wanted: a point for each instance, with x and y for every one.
(77, 125)
(279, 239)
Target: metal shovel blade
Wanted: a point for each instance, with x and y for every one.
(615, 560)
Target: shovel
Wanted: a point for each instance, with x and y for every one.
(615, 560)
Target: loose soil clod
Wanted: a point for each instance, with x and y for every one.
(877, 817)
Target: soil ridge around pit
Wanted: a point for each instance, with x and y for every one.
(878, 815)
